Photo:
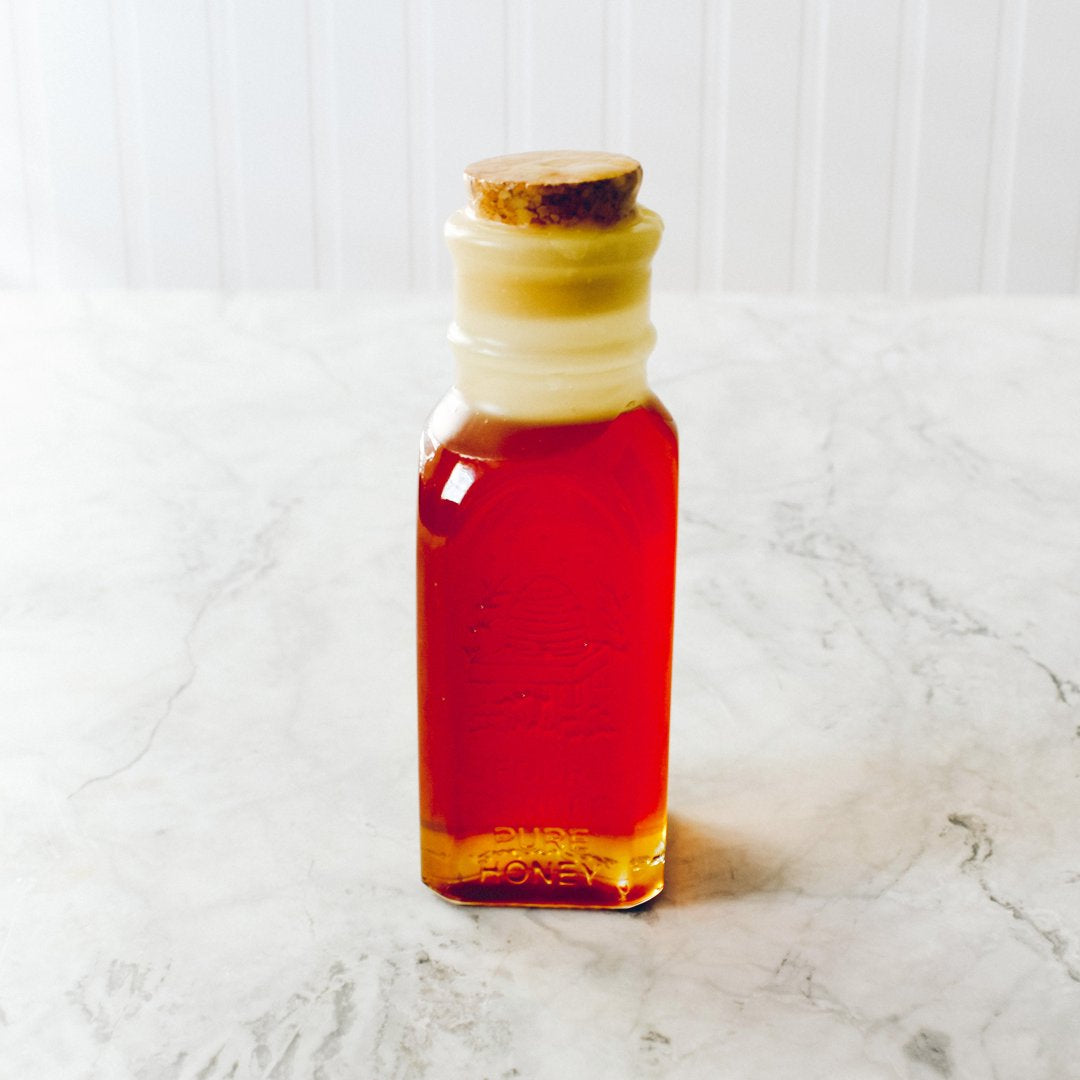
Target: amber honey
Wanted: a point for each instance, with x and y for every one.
(545, 582)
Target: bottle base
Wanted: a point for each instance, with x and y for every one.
(544, 868)
(473, 894)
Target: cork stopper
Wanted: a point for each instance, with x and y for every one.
(555, 187)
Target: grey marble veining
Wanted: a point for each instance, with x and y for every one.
(208, 861)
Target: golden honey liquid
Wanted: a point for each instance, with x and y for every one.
(545, 590)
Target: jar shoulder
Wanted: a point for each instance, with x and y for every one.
(457, 426)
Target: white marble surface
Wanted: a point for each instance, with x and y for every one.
(207, 771)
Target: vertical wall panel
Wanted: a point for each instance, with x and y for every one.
(957, 115)
(175, 126)
(565, 58)
(274, 131)
(813, 62)
(761, 145)
(906, 145)
(80, 142)
(229, 188)
(1000, 172)
(127, 109)
(16, 253)
(372, 129)
(463, 113)
(32, 137)
(518, 58)
(618, 71)
(857, 151)
(425, 248)
(664, 128)
(712, 164)
(326, 192)
(1046, 190)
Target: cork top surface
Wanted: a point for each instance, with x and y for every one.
(554, 187)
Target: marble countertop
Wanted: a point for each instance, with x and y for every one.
(208, 854)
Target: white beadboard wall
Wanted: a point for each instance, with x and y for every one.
(906, 146)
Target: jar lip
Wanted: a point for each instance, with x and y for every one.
(633, 239)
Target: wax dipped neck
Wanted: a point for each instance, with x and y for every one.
(552, 325)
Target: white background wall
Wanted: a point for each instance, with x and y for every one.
(899, 145)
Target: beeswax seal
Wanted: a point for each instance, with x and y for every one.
(554, 187)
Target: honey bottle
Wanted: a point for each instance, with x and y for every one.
(546, 549)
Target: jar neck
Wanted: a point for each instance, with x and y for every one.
(552, 324)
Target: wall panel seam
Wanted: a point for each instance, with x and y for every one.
(518, 75)
(808, 148)
(907, 138)
(425, 227)
(712, 154)
(34, 131)
(618, 63)
(233, 266)
(130, 143)
(1001, 161)
(324, 135)
(22, 140)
